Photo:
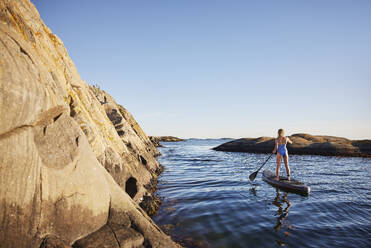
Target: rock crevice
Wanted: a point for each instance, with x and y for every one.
(74, 164)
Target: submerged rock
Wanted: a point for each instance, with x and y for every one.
(150, 204)
(302, 144)
(73, 162)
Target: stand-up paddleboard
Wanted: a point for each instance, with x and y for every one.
(292, 185)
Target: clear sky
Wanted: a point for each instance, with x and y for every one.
(192, 68)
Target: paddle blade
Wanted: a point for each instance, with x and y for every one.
(253, 175)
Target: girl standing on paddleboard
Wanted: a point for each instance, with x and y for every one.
(280, 147)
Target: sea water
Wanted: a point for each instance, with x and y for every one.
(209, 201)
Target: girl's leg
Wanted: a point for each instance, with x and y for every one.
(286, 160)
(278, 166)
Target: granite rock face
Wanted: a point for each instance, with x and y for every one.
(304, 144)
(73, 163)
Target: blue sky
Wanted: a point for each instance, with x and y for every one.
(225, 68)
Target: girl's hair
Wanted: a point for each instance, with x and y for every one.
(281, 132)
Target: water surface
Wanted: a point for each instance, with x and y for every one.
(208, 200)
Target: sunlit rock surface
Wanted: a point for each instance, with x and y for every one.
(74, 164)
(157, 139)
(303, 144)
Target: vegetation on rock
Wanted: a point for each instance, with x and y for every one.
(74, 164)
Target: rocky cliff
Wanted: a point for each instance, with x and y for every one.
(73, 163)
(305, 144)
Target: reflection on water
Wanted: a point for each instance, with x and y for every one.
(209, 201)
(253, 191)
(283, 205)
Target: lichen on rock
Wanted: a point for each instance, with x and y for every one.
(72, 168)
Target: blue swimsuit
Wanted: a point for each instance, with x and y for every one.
(282, 150)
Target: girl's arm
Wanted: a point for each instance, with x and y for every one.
(275, 146)
(289, 141)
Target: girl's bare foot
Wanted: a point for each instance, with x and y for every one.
(288, 177)
(277, 179)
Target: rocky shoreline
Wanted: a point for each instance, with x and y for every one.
(75, 166)
(151, 202)
(157, 139)
(303, 144)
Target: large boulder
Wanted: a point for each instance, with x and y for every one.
(302, 144)
(66, 171)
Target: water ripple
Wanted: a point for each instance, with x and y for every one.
(208, 200)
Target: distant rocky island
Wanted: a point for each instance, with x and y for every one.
(303, 144)
(76, 169)
(157, 139)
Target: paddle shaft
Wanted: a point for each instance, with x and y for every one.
(253, 175)
(264, 163)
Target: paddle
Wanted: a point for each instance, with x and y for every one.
(253, 175)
